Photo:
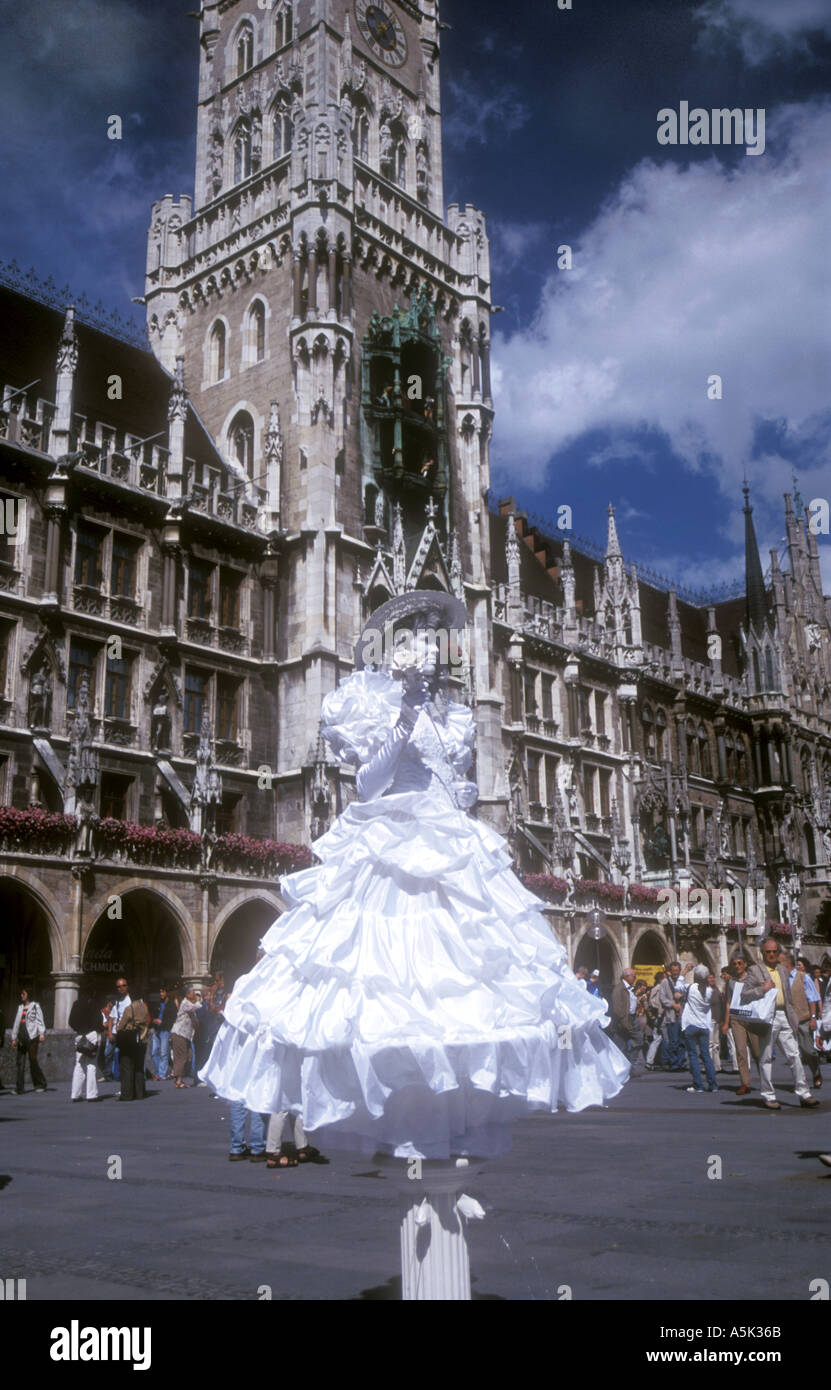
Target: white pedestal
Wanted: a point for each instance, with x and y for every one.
(434, 1256)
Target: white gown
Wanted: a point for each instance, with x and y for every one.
(413, 999)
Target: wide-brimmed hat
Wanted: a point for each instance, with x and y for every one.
(451, 611)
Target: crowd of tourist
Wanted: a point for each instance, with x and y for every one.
(682, 1022)
(685, 1021)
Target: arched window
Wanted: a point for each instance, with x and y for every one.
(283, 25)
(648, 731)
(255, 333)
(242, 154)
(360, 136)
(757, 675)
(729, 757)
(810, 844)
(693, 765)
(660, 735)
(283, 131)
(770, 679)
(741, 767)
(245, 50)
(241, 440)
(217, 352)
(704, 760)
(400, 162)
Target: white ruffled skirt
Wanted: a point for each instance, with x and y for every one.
(413, 1000)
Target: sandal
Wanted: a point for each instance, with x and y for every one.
(286, 1158)
(309, 1154)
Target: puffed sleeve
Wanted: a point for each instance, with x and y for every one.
(358, 717)
(459, 737)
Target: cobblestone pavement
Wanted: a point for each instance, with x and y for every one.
(613, 1204)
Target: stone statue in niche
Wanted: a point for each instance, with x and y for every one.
(40, 699)
(160, 725)
(386, 147)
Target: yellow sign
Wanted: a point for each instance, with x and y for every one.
(648, 972)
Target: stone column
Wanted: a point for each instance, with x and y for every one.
(67, 989)
(333, 282)
(346, 289)
(298, 286)
(54, 522)
(312, 284)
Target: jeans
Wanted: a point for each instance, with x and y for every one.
(161, 1052)
(697, 1041)
(673, 1046)
(257, 1128)
(780, 1035)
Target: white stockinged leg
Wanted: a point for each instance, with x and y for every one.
(434, 1256)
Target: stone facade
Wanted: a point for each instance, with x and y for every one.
(195, 538)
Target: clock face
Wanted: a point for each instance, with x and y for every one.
(382, 32)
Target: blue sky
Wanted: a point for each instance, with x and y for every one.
(687, 261)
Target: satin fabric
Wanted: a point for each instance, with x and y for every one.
(412, 999)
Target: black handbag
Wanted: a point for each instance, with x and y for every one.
(85, 1047)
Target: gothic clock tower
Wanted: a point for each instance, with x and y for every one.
(335, 329)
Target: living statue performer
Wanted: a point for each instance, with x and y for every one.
(413, 999)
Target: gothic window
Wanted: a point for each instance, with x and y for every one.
(660, 735)
(228, 814)
(217, 352)
(648, 732)
(123, 567)
(600, 711)
(757, 675)
(627, 625)
(529, 682)
(81, 662)
(241, 437)
(551, 765)
(245, 50)
(604, 780)
(729, 757)
(227, 704)
(810, 845)
(588, 790)
(230, 582)
(283, 132)
(534, 760)
(242, 154)
(88, 544)
(705, 762)
(117, 688)
(115, 789)
(548, 697)
(283, 25)
(692, 753)
(741, 768)
(199, 589)
(770, 680)
(196, 691)
(360, 136)
(255, 333)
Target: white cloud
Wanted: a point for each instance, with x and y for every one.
(477, 117)
(511, 242)
(766, 28)
(620, 451)
(689, 270)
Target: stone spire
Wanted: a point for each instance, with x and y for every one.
(613, 550)
(756, 599)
